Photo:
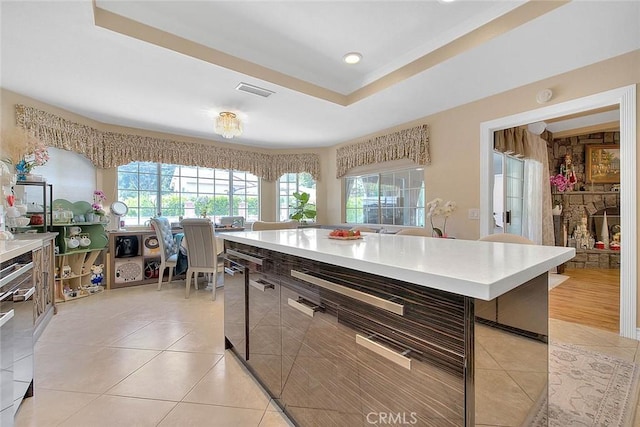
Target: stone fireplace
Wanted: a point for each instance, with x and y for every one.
(590, 200)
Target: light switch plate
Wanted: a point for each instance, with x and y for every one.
(474, 213)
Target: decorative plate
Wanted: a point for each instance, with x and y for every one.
(345, 238)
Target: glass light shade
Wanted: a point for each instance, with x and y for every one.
(228, 125)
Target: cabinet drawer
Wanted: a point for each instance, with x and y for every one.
(423, 395)
(265, 343)
(335, 380)
(235, 308)
(322, 386)
(432, 323)
(256, 259)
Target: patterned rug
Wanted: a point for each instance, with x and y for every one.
(587, 389)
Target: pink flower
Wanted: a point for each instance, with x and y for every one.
(560, 181)
(98, 196)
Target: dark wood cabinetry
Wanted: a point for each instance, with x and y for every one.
(339, 347)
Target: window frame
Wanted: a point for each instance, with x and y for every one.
(420, 211)
(202, 176)
(289, 197)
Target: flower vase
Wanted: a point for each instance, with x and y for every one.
(21, 177)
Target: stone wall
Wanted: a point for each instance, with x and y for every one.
(577, 204)
(595, 258)
(574, 145)
(586, 198)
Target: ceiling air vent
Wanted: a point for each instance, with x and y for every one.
(245, 87)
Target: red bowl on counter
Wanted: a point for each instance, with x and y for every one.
(37, 220)
(599, 245)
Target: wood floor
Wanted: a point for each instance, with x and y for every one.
(589, 297)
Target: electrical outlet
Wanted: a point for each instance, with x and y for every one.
(474, 214)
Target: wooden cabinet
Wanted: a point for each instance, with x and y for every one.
(134, 258)
(43, 281)
(80, 248)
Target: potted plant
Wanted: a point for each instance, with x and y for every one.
(302, 209)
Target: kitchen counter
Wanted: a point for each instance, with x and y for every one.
(308, 315)
(13, 248)
(22, 243)
(470, 268)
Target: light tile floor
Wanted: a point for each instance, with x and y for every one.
(141, 357)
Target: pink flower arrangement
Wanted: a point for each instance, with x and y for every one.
(561, 183)
(98, 198)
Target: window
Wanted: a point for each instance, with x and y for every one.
(174, 191)
(395, 198)
(288, 184)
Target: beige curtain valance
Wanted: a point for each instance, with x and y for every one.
(412, 144)
(510, 141)
(112, 149)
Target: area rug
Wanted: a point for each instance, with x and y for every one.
(587, 389)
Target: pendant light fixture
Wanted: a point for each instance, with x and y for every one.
(228, 125)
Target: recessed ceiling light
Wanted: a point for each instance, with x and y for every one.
(352, 57)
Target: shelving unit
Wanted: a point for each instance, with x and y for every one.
(46, 205)
(132, 269)
(73, 264)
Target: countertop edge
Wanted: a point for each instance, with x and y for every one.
(469, 288)
(22, 244)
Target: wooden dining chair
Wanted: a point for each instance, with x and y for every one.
(364, 229)
(281, 225)
(168, 247)
(414, 232)
(202, 253)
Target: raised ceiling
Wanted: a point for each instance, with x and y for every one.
(172, 66)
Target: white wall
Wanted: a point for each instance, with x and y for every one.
(72, 175)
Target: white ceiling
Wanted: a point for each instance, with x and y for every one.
(54, 52)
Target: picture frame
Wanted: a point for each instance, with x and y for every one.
(602, 163)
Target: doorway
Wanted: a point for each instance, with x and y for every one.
(625, 98)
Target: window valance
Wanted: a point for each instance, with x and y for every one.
(112, 149)
(410, 144)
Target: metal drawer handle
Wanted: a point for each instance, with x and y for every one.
(261, 285)
(5, 317)
(231, 271)
(351, 293)
(244, 256)
(303, 308)
(398, 358)
(23, 294)
(11, 276)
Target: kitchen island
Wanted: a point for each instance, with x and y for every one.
(378, 330)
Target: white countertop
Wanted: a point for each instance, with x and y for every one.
(12, 248)
(472, 268)
(22, 243)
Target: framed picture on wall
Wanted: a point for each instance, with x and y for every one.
(603, 163)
